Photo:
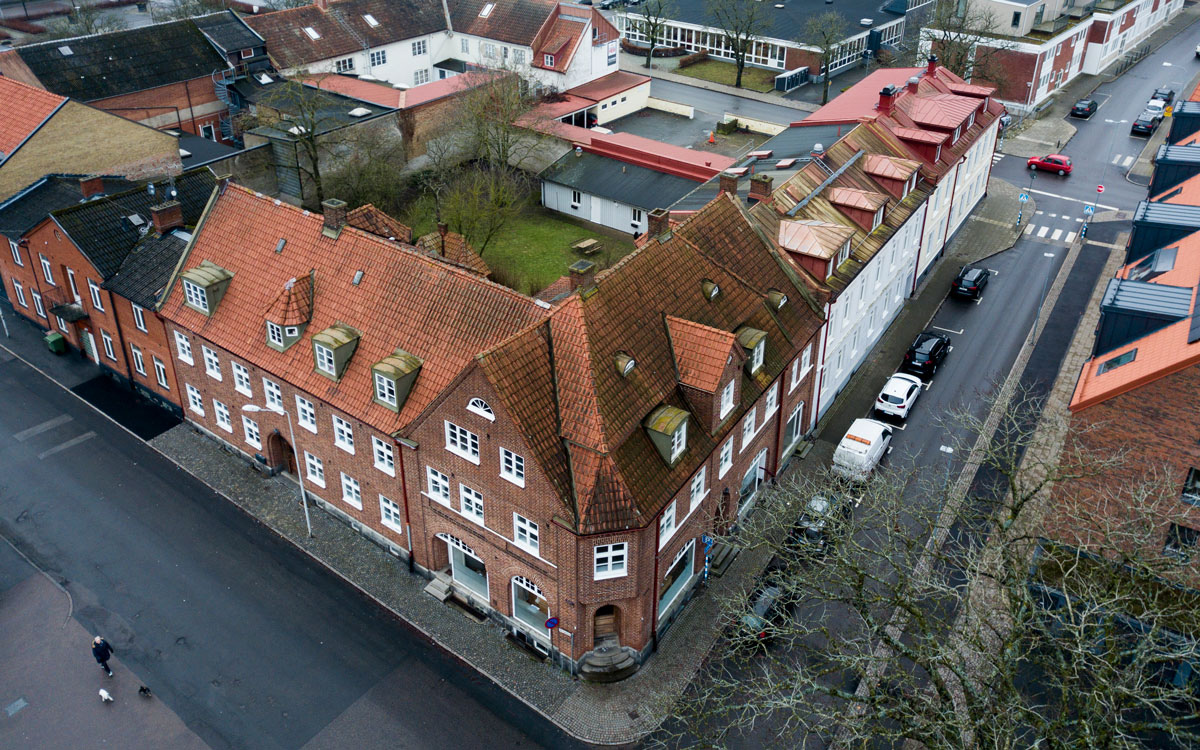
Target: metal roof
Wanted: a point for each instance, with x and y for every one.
(1178, 154)
(1167, 213)
(1148, 298)
(618, 181)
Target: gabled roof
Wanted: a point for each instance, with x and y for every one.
(560, 37)
(26, 109)
(228, 31)
(511, 21)
(583, 417)
(701, 352)
(384, 95)
(29, 207)
(371, 219)
(102, 228)
(819, 239)
(611, 178)
(889, 167)
(435, 311)
(343, 28)
(143, 275)
(100, 66)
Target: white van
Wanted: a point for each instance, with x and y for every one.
(865, 444)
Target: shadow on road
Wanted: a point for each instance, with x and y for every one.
(137, 415)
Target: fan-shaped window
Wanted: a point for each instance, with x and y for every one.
(480, 407)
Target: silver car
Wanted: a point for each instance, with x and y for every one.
(898, 395)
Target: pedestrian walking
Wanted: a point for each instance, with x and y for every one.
(103, 652)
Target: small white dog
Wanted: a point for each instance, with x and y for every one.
(105, 697)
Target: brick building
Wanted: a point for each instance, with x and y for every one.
(536, 461)
(68, 270)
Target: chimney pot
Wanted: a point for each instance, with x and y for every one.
(817, 151)
(442, 228)
(660, 221)
(335, 217)
(932, 67)
(912, 84)
(91, 185)
(166, 216)
(582, 274)
(760, 187)
(887, 97)
(728, 183)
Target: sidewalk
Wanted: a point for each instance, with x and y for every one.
(663, 66)
(1050, 130)
(618, 713)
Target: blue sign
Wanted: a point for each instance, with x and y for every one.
(1089, 210)
(1023, 197)
(552, 623)
(707, 540)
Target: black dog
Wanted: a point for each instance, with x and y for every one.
(144, 691)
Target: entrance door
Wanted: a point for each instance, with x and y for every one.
(755, 476)
(469, 571)
(606, 626)
(89, 346)
(280, 453)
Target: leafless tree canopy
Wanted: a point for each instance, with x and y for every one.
(825, 32)
(742, 24)
(884, 641)
(84, 21)
(651, 19)
(956, 28)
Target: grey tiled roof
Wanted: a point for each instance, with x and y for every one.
(147, 269)
(26, 209)
(615, 180)
(228, 32)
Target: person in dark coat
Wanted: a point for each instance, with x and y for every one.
(103, 652)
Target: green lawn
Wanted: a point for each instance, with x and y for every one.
(719, 71)
(534, 248)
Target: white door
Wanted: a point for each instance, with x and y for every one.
(89, 345)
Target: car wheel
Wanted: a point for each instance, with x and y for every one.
(1061, 172)
(1033, 167)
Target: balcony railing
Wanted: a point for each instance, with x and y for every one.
(1053, 26)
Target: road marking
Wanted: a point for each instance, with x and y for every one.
(1073, 200)
(69, 444)
(1128, 160)
(1028, 229)
(38, 429)
(1042, 231)
(978, 300)
(1048, 255)
(898, 427)
(949, 330)
(1116, 158)
(1039, 213)
(1066, 218)
(1069, 238)
(1053, 216)
(1078, 219)
(946, 449)
(1055, 235)
(12, 708)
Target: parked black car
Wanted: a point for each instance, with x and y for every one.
(1164, 95)
(926, 354)
(970, 282)
(823, 522)
(1145, 124)
(1084, 108)
(767, 605)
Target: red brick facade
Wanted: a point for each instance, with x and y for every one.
(186, 105)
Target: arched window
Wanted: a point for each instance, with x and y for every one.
(480, 407)
(525, 583)
(456, 542)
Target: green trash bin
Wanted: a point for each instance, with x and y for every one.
(56, 342)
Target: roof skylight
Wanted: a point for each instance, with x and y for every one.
(312, 33)
(487, 10)
(360, 112)
(370, 19)
(65, 51)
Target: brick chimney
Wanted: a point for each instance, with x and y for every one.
(166, 216)
(582, 274)
(660, 221)
(729, 183)
(887, 97)
(760, 187)
(322, 4)
(91, 185)
(442, 230)
(223, 182)
(912, 84)
(335, 217)
(932, 67)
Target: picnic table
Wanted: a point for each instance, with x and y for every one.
(589, 246)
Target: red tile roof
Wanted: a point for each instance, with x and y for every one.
(1186, 193)
(610, 85)
(370, 219)
(455, 248)
(438, 312)
(26, 108)
(511, 21)
(701, 352)
(561, 38)
(386, 96)
(294, 304)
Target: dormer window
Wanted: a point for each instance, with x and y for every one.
(777, 299)
(954, 138)
(909, 185)
(727, 398)
(754, 342)
(548, 60)
(204, 285)
(710, 289)
(970, 120)
(625, 363)
(878, 219)
(667, 429)
(332, 349)
(937, 155)
(843, 254)
(324, 359)
(194, 296)
(275, 333)
(394, 377)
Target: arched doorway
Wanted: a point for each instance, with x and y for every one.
(606, 626)
(280, 454)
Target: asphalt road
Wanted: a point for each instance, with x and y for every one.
(712, 105)
(247, 640)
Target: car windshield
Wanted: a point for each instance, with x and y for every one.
(892, 398)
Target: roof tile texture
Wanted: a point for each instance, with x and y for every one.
(25, 109)
(701, 352)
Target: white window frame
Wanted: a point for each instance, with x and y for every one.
(94, 290)
(323, 355)
(679, 440)
(212, 362)
(421, 77)
(385, 388)
(576, 198)
(470, 503)
(749, 428)
(667, 525)
(384, 455)
(195, 400)
(378, 57)
(464, 45)
(37, 304)
(107, 340)
(20, 292)
(160, 372)
(699, 489)
(526, 534)
(757, 354)
(183, 348)
(548, 61)
(481, 407)
(139, 316)
(16, 253)
(47, 270)
(726, 462)
(389, 507)
(314, 469)
(470, 447)
(512, 467)
(351, 491)
(306, 414)
(772, 404)
(437, 486)
(615, 559)
(344, 65)
(241, 379)
(343, 434)
(62, 324)
(139, 362)
(194, 295)
(420, 47)
(727, 398)
(275, 333)
(222, 416)
(272, 393)
(251, 431)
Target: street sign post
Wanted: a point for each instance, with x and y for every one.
(1023, 197)
(708, 543)
(552, 623)
(1089, 210)
(1099, 188)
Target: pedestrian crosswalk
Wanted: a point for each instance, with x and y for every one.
(1050, 234)
(996, 157)
(1123, 161)
(1063, 227)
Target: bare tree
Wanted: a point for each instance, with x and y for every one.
(174, 10)
(480, 201)
(741, 23)
(945, 620)
(963, 34)
(370, 171)
(496, 121)
(825, 32)
(651, 20)
(84, 21)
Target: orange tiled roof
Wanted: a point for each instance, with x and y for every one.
(1186, 193)
(25, 109)
(701, 352)
(442, 314)
(865, 199)
(370, 219)
(294, 304)
(561, 39)
(455, 248)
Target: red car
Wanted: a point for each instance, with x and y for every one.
(1051, 163)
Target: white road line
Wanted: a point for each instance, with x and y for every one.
(1079, 219)
(69, 444)
(1042, 231)
(1053, 216)
(1066, 218)
(1116, 158)
(38, 429)
(1028, 229)
(1048, 255)
(950, 330)
(1057, 233)
(1070, 237)
(1127, 162)
(1039, 213)
(1073, 200)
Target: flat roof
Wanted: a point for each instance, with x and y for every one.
(616, 180)
(1147, 297)
(788, 22)
(201, 151)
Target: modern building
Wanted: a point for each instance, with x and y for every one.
(412, 42)
(1035, 48)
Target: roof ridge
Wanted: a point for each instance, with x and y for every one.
(126, 193)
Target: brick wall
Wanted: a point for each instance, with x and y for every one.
(186, 106)
(153, 343)
(1019, 68)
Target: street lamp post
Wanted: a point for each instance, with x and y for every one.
(299, 472)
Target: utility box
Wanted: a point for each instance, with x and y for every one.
(56, 342)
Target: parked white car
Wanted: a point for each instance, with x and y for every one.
(898, 395)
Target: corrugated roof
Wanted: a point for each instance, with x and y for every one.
(1147, 297)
